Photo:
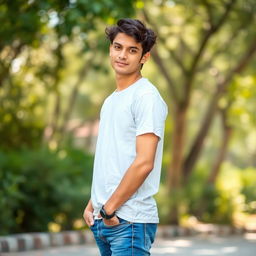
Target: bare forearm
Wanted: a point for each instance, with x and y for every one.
(132, 180)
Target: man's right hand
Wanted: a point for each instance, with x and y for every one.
(88, 214)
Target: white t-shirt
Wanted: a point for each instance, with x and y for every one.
(125, 114)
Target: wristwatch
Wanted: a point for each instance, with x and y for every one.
(104, 215)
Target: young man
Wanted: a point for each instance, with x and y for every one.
(122, 212)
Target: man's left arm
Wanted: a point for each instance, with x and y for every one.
(146, 145)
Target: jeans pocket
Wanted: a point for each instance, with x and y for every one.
(150, 234)
(94, 226)
(121, 223)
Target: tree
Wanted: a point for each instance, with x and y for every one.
(28, 25)
(197, 40)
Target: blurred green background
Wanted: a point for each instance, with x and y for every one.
(55, 74)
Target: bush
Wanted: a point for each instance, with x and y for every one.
(233, 192)
(41, 186)
(248, 180)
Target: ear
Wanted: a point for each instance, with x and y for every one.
(145, 57)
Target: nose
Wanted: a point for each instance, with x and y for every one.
(122, 55)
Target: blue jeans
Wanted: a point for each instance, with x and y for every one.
(124, 239)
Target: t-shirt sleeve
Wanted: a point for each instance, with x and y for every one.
(150, 113)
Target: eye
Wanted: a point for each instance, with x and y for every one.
(117, 47)
(133, 51)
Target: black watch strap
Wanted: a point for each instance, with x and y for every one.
(104, 215)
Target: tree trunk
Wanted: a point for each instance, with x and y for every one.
(226, 136)
(210, 184)
(222, 86)
(54, 122)
(72, 100)
(174, 174)
(174, 179)
(199, 140)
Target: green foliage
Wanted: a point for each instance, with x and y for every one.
(46, 26)
(24, 21)
(20, 22)
(39, 186)
(211, 83)
(248, 183)
(45, 45)
(234, 192)
(20, 124)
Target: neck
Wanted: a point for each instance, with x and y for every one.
(122, 82)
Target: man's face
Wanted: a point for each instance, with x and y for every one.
(126, 55)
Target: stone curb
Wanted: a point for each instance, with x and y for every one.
(42, 240)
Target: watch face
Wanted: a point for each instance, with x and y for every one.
(105, 215)
(102, 213)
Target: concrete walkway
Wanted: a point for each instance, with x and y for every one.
(186, 246)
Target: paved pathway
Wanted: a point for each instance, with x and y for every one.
(187, 246)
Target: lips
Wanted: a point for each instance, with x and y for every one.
(121, 63)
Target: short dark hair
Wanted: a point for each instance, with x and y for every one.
(134, 28)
